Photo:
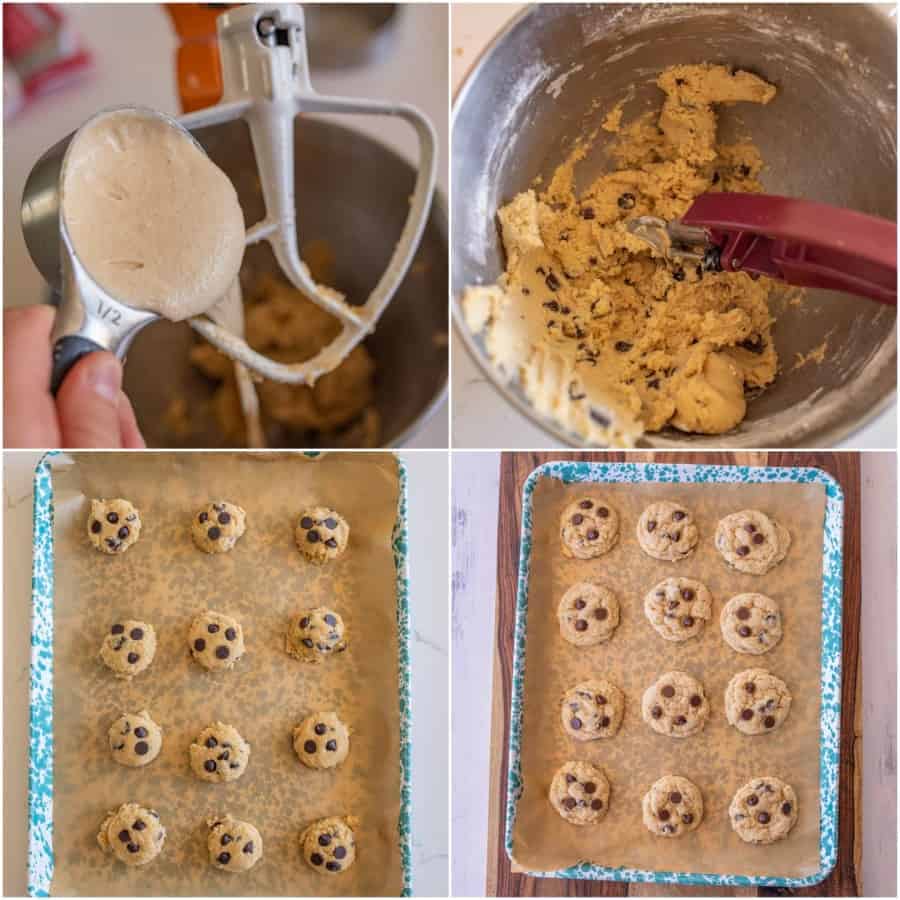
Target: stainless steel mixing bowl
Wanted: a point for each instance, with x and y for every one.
(830, 135)
(353, 194)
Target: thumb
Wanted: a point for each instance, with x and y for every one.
(88, 402)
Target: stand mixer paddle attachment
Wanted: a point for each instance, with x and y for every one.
(798, 242)
(265, 82)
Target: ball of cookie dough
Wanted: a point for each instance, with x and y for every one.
(321, 534)
(678, 608)
(129, 647)
(133, 834)
(673, 806)
(113, 525)
(322, 741)
(764, 810)
(217, 527)
(588, 614)
(219, 754)
(329, 846)
(751, 623)
(751, 542)
(233, 845)
(756, 702)
(592, 710)
(579, 792)
(675, 705)
(216, 640)
(588, 527)
(314, 634)
(135, 739)
(667, 531)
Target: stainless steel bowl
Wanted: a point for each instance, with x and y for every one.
(829, 136)
(353, 194)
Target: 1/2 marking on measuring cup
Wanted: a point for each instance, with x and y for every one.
(105, 311)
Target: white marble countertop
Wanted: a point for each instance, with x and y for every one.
(429, 530)
(482, 417)
(134, 62)
(476, 481)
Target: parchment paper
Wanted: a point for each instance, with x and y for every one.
(165, 580)
(719, 759)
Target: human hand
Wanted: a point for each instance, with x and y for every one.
(90, 409)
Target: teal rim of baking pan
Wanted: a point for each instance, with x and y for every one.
(571, 472)
(40, 763)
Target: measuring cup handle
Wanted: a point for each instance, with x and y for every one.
(66, 352)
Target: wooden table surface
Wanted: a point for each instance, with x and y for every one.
(845, 879)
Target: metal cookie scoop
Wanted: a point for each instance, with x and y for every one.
(801, 243)
(265, 77)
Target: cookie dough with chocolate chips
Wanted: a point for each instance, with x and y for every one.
(672, 807)
(217, 527)
(756, 702)
(675, 705)
(219, 754)
(579, 792)
(592, 710)
(113, 525)
(588, 614)
(133, 834)
(589, 527)
(329, 845)
(751, 542)
(606, 337)
(234, 846)
(751, 623)
(322, 741)
(678, 608)
(135, 739)
(314, 634)
(764, 810)
(321, 534)
(216, 640)
(667, 531)
(128, 648)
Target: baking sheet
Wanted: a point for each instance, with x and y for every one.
(163, 579)
(720, 758)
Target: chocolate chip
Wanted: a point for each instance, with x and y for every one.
(333, 866)
(786, 808)
(592, 534)
(577, 519)
(743, 613)
(211, 742)
(668, 691)
(124, 836)
(695, 700)
(758, 538)
(590, 787)
(746, 714)
(214, 533)
(623, 346)
(581, 625)
(586, 504)
(133, 658)
(580, 604)
(331, 542)
(675, 537)
(304, 622)
(320, 728)
(331, 745)
(569, 802)
(224, 518)
(309, 747)
(136, 634)
(656, 712)
(96, 526)
(142, 748)
(769, 721)
(749, 687)
(118, 629)
(587, 213)
(140, 732)
(324, 840)
(604, 721)
(626, 201)
(678, 274)
(307, 642)
(202, 517)
(602, 512)
(230, 634)
(552, 282)
(763, 818)
(312, 536)
(316, 859)
(687, 818)
(133, 848)
(139, 825)
(569, 778)
(199, 645)
(112, 518)
(663, 815)
(744, 631)
(752, 800)
(688, 621)
(601, 613)
(330, 619)
(331, 523)
(210, 765)
(687, 593)
(306, 522)
(596, 803)
(668, 829)
(222, 652)
(552, 305)
(575, 723)
(678, 515)
(679, 720)
(742, 550)
(123, 532)
(651, 525)
(602, 420)
(675, 797)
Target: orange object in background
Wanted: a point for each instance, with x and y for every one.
(197, 63)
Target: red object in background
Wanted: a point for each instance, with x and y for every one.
(42, 47)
